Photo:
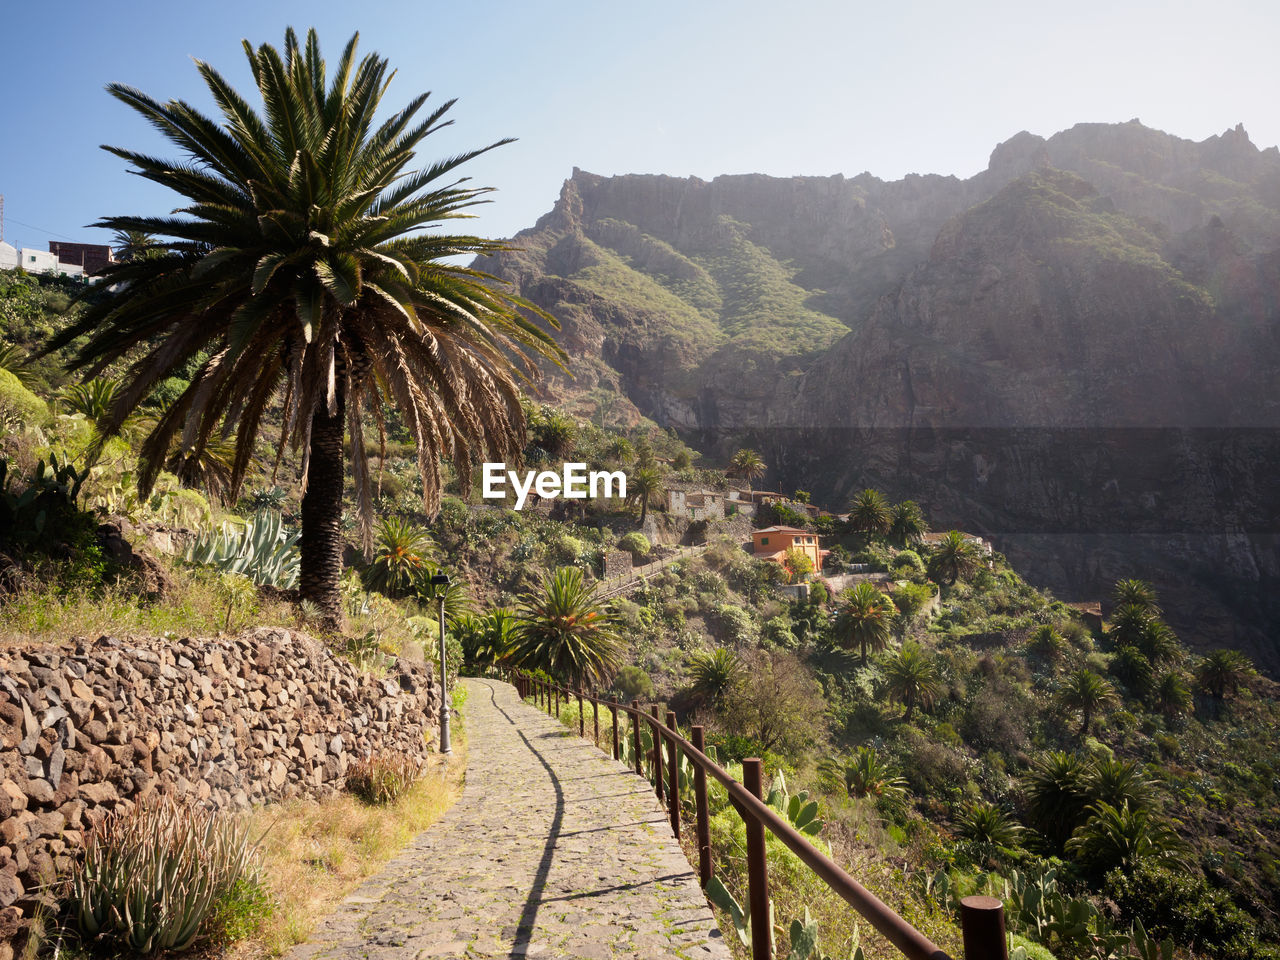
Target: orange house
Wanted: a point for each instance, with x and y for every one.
(772, 543)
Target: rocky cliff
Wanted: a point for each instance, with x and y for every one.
(1073, 352)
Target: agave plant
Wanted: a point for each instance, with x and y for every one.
(262, 549)
(153, 876)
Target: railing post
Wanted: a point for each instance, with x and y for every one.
(582, 720)
(982, 925)
(655, 728)
(635, 733)
(673, 792)
(556, 688)
(757, 866)
(595, 718)
(613, 704)
(703, 818)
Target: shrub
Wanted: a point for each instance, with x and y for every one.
(19, 404)
(636, 544)
(1181, 904)
(160, 876)
(632, 683)
(384, 778)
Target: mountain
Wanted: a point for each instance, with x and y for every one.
(1073, 352)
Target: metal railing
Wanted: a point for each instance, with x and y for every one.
(981, 918)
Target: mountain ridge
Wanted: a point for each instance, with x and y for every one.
(1078, 341)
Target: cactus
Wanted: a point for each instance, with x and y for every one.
(804, 941)
(263, 549)
(799, 810)
(720, 896)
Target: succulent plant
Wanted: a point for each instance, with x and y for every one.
(262, 549)
(152, 876)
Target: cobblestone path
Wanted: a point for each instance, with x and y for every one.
(554, 850)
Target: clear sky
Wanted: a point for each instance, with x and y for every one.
(699, 88)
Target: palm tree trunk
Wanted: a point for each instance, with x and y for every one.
(321, 540)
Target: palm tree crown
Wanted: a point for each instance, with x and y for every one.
(299, 267)
(912, 679)
(865, 619)
(565, 631)
(748, 464)
(869, 514)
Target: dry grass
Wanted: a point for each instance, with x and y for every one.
(47, 613)
(315, 854)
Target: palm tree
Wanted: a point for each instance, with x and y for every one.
(1128, 623)
(644, 485)
(714, 674)
(301, 268)
(912, 679)
(864, 775)
(400, 558)
(953, 559)
(1222, 672)
(485, 640)
(1119, 837)
(1056, 796)
(748, 464)
(906, 523)
(1087, 693)
(1136, 593)
(988, 825)
(1046, 643)
(1119, 782)
(1172, 696)
(1134, 670)
(565, 631)
(135, 244)
(865, 619)
(869, 514)
(1158, 642)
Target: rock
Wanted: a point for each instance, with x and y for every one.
(99, 793)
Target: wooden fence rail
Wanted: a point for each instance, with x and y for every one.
(981, 918)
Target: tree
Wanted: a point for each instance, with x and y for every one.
(864, 775)
(798, 565)
(1119, 782)
(1136, 593)
(1121, 837)
(1134, 670)
(865, 619)
(781, 707)
(907, 524)
(135, 244)
(987, 825)
(714, 674)
(1172, 696)
(912, 679)
(302, 268)
(1056, 796)
(565, 631)
(1046, 643)
(955, 558)
(869, 514)
(1086, 693)
(400, 558)
(1223, 672)
(643, 486)
(748, 465)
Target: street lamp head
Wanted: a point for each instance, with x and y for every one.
(440, 580)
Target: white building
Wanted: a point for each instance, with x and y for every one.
(8, 256)
(42, 261)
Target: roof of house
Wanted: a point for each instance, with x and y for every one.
(779, 530)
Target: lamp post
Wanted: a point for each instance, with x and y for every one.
(440, 584)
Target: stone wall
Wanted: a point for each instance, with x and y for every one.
(90, 726)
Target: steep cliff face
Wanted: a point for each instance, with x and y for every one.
(1074, 352)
